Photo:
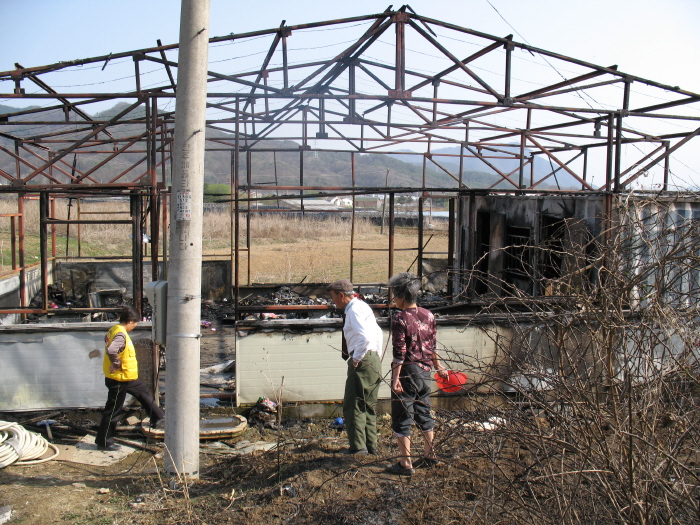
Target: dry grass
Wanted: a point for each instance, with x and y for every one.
(284, 248)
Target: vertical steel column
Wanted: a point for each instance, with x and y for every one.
(155, 233)
(470, 248)
(155, 201)
(43, 237)
(22, 270)
(391, 234)
(351, 91)
(149, 145)
(609, 159)
(266, 74)
(509, 51)
(400, 19)
(52, 200)
(249, 179)
(419, 270)
(301, 179)
(461, 152)
(231, 219)
(618, 134)
(585, 166)
(237, 210)
(321, 119)
(667, 167)
(436, 84)
(137, 74)
(166, 214)
(618, 151)
(137, 249)
(352, 217)
(80, 247)
(389, 105)
(450, 245)
(13, 240)
(523, 137)
(285, 70)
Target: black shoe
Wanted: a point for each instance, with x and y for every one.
(399, 469)
(354, 451)
(109, 448)
(372, 451)
(159, 425)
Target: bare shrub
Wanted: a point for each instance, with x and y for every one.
(597, 390)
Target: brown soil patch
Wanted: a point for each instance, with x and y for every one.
(305, 481)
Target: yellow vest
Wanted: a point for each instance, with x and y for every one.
(130, 367)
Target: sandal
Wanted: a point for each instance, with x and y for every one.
(397, 468)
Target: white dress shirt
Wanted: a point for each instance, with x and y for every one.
(362, 333)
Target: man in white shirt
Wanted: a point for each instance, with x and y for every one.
(364, 347)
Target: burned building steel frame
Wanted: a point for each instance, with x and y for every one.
(397, 105)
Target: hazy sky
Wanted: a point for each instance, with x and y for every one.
(649, 38)
(653, 39)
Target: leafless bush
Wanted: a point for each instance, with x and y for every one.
(597, 387)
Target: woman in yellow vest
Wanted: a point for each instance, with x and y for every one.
(121, 378)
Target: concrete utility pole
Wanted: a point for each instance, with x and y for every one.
(184, 287)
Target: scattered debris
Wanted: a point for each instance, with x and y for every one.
(288, 490)
(338, 424)
(264, 414)
(480, 426)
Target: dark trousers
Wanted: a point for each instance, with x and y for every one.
(413, 404)
(117, 391)
(360, 402)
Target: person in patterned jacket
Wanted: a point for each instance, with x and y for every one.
(413, 333)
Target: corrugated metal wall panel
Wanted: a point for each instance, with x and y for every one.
(41, 370)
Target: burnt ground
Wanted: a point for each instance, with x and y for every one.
(305, 480)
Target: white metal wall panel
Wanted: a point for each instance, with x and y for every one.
(311, 365)
(469, 348)
(313, 370)
(54, 368)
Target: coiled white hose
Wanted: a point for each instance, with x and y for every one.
(19, 446)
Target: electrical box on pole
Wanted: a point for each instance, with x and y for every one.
(157, 294)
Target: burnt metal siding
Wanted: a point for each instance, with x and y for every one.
(59, 366)
(672, 218)
(91, 276)
(216, 277)
(520, 211)
(9, 292)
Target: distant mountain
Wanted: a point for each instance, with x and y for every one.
(543, 167)
(320, 168)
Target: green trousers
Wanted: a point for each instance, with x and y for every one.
(360, 402)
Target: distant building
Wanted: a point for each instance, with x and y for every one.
(341, 201)
(367, 201)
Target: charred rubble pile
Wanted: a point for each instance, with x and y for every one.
(225, 311)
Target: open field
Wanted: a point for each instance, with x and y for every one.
(283, 249)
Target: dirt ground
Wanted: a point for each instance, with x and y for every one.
(305, 480)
